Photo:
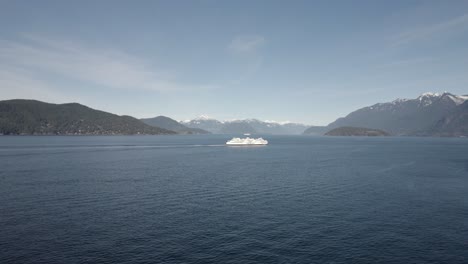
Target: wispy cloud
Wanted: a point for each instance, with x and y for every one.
(246, 44)
(22, 61)
(410, 62)
(430, 31)
(246, 48)
(17, 83)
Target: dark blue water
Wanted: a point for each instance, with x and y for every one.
(191, 199)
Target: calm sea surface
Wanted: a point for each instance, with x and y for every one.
(191, 199)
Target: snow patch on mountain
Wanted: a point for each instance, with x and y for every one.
(428, 98)
(424, 100)
(428, 94)
(399, 100)
(279, 122)
(204, 117)
(458, 99)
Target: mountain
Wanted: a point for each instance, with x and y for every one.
(455, 124)
(203, 122)
(171, 124)
(237, 127)
(30, 117)
(294, 128)
(403, 116)
(316, 130)
(253, 126)
(271, 127)
(356, 131)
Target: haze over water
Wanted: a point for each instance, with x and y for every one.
(191, 199)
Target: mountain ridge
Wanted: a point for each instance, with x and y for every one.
(356, 131)
(32, 117)
(430, 114)
(455, 124)
(171, 124)
(403, 116)
(249, 125)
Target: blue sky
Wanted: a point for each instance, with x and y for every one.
(302, 61)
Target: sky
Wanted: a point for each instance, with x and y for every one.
(298, 61)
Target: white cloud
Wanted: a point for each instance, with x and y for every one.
(246, 51)
(434, 30)
(18, 84)
(22, 61)
(246, 44)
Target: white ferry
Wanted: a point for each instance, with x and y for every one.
(247, 141)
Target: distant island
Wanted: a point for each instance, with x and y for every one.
(356, 131)
(30, 117)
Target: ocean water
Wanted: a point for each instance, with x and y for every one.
(191, 199)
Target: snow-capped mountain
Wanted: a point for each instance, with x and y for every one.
(251, 126)
(171, 124)
(403, 116)
(205, 123)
